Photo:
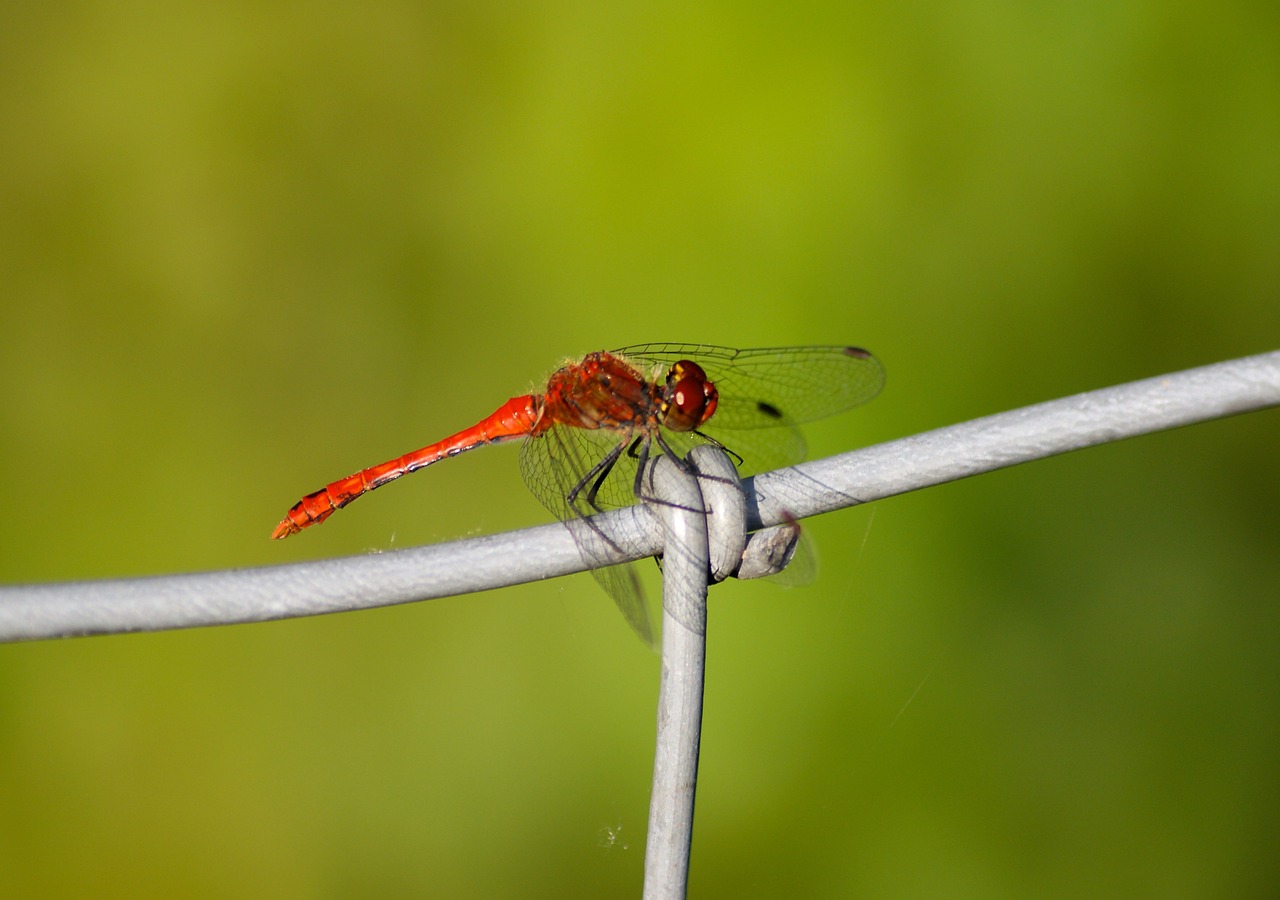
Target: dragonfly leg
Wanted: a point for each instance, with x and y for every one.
(639, 451)
(642, 458)
(594, 478)
(737, 460)
(718, 478)
(685, 463)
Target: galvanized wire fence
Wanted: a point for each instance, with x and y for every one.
(676, 528)
(33, 612)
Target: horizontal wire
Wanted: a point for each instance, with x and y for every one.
(33, 612)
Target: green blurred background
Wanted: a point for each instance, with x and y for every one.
(248, 248)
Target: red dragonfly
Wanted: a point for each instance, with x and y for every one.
(590, 432)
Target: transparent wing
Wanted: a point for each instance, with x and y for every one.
(773, 389)
(767, 387)
(766, 393)
(555, 463)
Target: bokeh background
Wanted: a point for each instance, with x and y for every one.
(247, 248)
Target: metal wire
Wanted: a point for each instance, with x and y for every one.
(34, 612)
(685, 572)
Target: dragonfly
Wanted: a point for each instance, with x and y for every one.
(589, 434)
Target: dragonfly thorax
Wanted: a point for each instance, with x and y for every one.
(602, 391)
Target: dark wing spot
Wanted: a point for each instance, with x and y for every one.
(769, 409)
(857, 353)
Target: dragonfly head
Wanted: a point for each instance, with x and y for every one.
(689, 399)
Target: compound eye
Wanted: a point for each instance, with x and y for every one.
(690, 398)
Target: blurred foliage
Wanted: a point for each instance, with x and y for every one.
(248, 248)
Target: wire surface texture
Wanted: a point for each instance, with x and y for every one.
(34, 612)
